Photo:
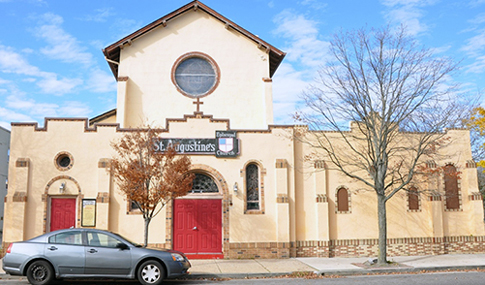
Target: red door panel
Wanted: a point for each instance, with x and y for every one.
(198, 226)
(63, 213)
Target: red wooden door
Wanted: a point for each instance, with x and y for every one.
(63, 213)
(198, 227)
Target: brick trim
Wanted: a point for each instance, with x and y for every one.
(103, 197)
(22, 162)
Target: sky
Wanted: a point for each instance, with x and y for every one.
(52, 65)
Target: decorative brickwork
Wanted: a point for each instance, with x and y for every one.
(435, 197)
(103, 197)
(282, 198)
(321, 198)
(104, 163)
(19, 197)
(249, 250)
(22, 162)
(471, 164)
(320, 164)
(281, 163)
(395, 247)
(475, 196)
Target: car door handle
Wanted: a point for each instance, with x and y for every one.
(92, 250)
(52, 248)
(195, 228)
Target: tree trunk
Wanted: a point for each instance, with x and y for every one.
(381, 213)
(145, 238)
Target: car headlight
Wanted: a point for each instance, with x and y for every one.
(177, 257)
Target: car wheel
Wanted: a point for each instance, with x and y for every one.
(40, 272)
(151, 272)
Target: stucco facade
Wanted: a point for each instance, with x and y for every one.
(294, 211)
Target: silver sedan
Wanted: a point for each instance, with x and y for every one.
(78, 253)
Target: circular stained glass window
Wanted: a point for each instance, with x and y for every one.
(195, 75)
(63, 161)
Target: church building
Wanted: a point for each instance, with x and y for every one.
(207, 82)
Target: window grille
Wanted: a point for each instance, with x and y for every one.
(203, 184)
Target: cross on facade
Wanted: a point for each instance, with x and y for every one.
(198, 103)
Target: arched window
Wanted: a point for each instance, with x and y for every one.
(252, 187)
(342, 200)
(203, 184)
(451, 187)
(413, 198)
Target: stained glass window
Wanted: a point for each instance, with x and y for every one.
(203, 184)
(195, 76)
(252, 187)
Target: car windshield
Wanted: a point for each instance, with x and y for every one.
(131, 242)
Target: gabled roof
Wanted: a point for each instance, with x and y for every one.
(112, 52)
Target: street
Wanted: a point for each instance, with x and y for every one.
(440, 278)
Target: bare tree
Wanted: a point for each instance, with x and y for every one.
(147, 177)
(399, 99)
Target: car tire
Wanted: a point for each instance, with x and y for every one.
(40, 272)
(151, 272)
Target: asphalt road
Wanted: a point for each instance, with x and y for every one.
(441, 278)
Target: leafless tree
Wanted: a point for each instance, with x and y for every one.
(147, 177)
(399, 99)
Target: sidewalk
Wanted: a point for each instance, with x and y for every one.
(244, 268)
(220, 268)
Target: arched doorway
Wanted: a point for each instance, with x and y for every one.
(197, 220)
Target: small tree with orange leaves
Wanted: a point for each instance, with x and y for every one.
(149, 178)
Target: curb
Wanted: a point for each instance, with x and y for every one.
(347, 272)
(396, 270)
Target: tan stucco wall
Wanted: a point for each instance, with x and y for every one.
(150, 94)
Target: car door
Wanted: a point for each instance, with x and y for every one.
(103, 257)
(66, 252)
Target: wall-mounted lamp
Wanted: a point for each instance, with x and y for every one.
(62, 187)
(235, 187)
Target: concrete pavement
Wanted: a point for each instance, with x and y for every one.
(245, 268)
(221, 268)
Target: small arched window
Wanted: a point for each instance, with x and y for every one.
(252, 187)
(203, 184)
(413, 198)
(342, 199)
(451, 187)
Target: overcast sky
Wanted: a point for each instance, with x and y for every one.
(51, 64)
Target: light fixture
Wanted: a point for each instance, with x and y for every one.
(235, 187)
(62, 187)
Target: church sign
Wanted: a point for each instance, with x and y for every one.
(225, 144)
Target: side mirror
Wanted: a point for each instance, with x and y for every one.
(122, 246)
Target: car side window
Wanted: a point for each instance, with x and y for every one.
(100, 239)
(74, 238)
